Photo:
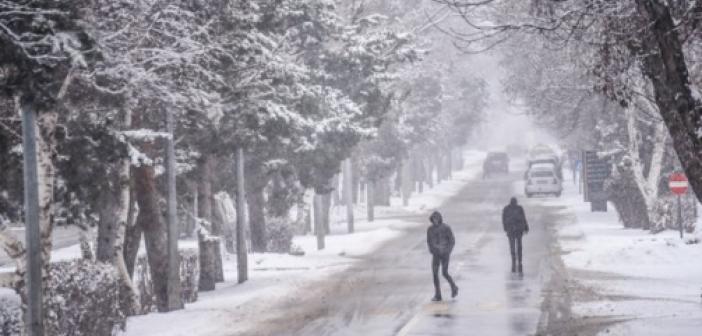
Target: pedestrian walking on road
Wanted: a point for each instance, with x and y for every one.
(441, 241)
(515, 225)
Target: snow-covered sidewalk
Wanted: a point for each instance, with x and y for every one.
(649, 284)
(277, 276)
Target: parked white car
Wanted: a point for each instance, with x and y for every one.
(547, 160)
(542, 179)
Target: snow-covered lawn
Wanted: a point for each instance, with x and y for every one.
(275, 276)
(652, 282)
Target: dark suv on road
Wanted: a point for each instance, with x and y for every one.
(496, 163)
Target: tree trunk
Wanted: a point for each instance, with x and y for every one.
(429, 172)
(226, 213)
(438, 160)
(348, 194)
(335, 198)
(205, 203)
(207, 245)
(206, 197)
(45, 128)
(107, 227)
(155, 232)
(370, 202)
(132, 237)
(303, 215)
(418, 173)
(129, 295)
(668, 72)
(318, 221)
(131, 246)
(191, 224)
(355, 181)
(449, 163)
(257, 220)
(381, 192)
(326, 212)
(407, 183)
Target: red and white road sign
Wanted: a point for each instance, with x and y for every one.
(678, 183)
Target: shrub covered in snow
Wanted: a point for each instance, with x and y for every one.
(83, 299)
(280, 235)
(665, 214)
(10, 313)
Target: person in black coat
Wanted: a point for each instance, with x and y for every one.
(515, 225)
(440, 240)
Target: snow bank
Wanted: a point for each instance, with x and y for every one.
(649, 282)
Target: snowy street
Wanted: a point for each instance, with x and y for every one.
(350, 168)
(387, 292)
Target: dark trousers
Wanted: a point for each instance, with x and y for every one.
(515, 247)
(443, 261)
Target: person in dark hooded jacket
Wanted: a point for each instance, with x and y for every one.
(515, 225)
(440, 240)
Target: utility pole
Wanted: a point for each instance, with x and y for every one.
(680, 219)
(348, 194)
(241, 256)
(35, 316)
(173, 286)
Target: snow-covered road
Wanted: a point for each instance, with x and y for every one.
(388, 292)
(378, 281)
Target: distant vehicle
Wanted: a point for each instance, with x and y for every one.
(547, 160)
(516, 150)
(542, 154)
(539, 151)
(542, 179)
(496, 163)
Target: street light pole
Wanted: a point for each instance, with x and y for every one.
(33, 278)
(680, 220)
(241, 256)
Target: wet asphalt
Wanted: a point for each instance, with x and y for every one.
(389, 292)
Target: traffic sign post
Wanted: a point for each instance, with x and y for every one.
(678, 185)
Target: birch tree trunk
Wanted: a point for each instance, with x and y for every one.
(132, 238)
(129, 295)
(46, 149)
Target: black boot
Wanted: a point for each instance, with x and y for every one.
(436, 298)
(454, 291)
(514, 266)
(520, 269)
